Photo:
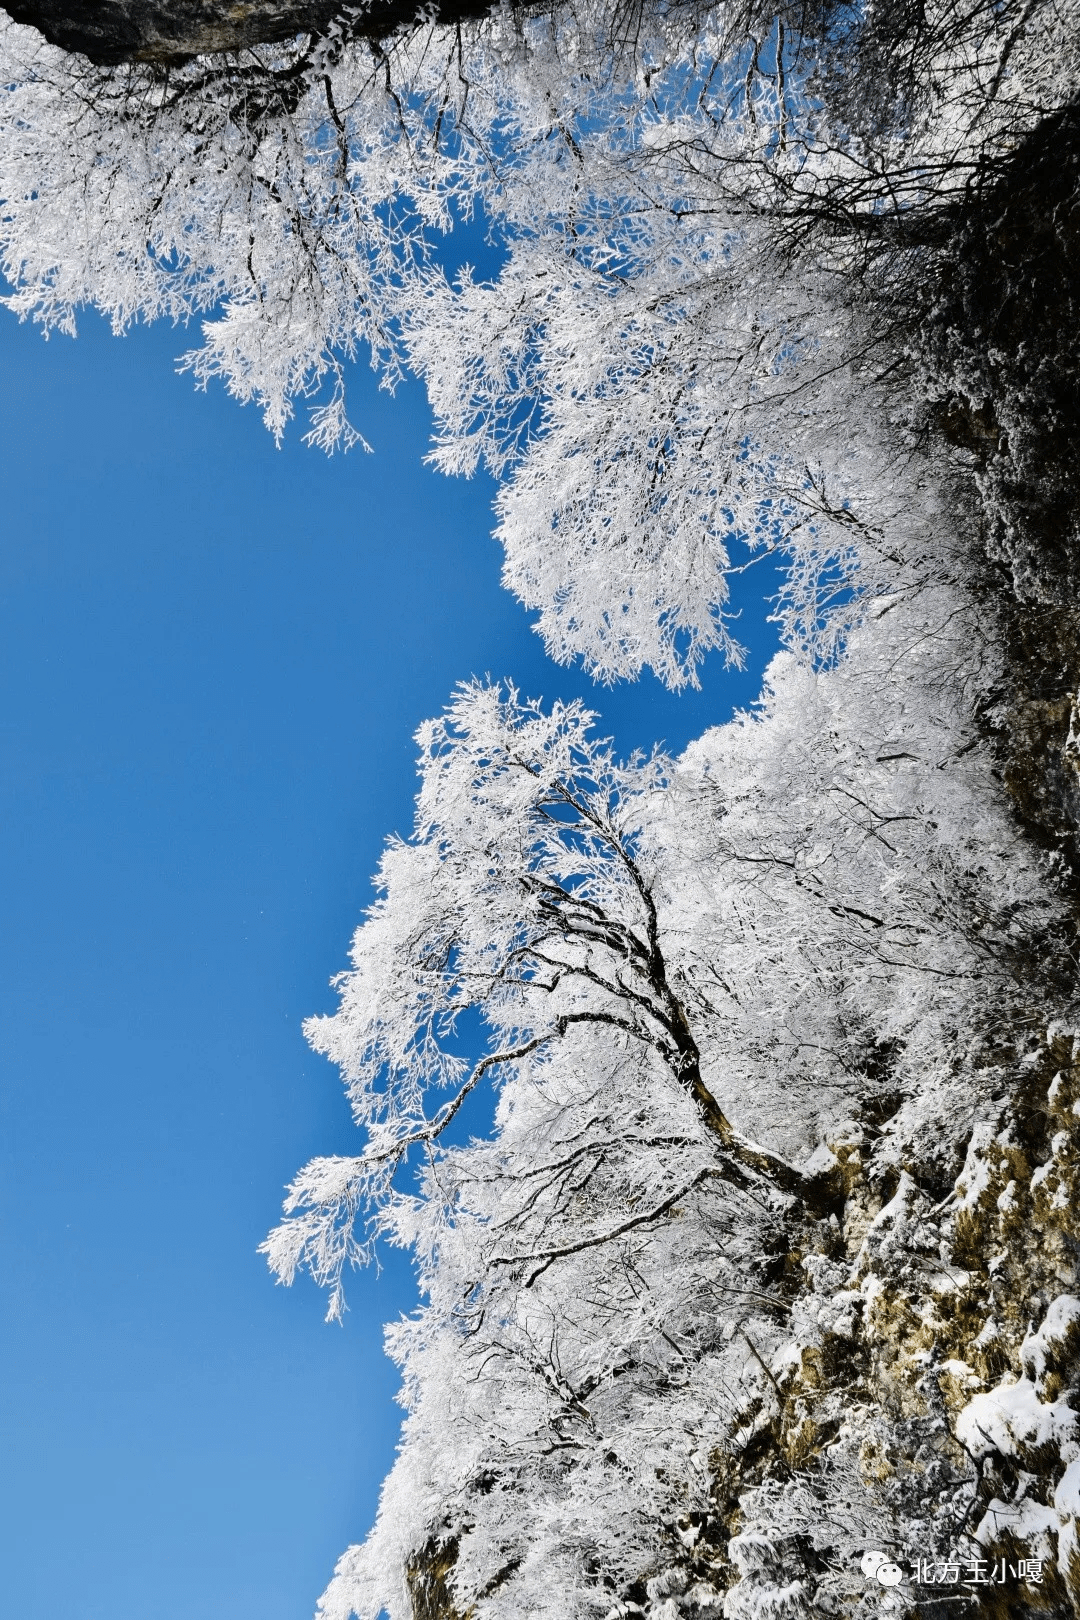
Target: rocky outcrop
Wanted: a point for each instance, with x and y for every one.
(936, 1360)
(171, 31)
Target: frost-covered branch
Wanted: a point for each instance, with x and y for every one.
(728, 239)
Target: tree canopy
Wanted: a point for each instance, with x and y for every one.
(739, 245)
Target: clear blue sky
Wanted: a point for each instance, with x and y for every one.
(213, 655)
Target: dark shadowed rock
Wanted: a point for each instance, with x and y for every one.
(111, 31)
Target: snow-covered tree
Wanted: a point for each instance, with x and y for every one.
(807, 919)
(762, 1255)
(733, 294)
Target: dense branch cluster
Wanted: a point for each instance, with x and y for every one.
(728, 237)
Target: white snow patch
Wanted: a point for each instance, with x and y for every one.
(974, 1178)
(1012, 1418)
(1058, 1326)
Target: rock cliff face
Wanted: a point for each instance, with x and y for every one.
(937, 1346)
(167, 31)
(1003, 378)
(937, 1341)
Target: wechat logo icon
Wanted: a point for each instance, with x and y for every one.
(878, 1566)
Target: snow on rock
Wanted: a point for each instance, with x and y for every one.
(1060, 1329)
(1013, 1421)
(1067, 1505)
(973, 1182)
(1029, 1522)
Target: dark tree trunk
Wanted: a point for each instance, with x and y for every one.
(111, 31)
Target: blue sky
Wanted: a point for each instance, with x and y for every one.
(213, 655)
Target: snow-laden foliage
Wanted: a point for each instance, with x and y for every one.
(762, 1255)
(822, 910)
(718, 223)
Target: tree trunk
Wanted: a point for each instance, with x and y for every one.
(112, 31)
